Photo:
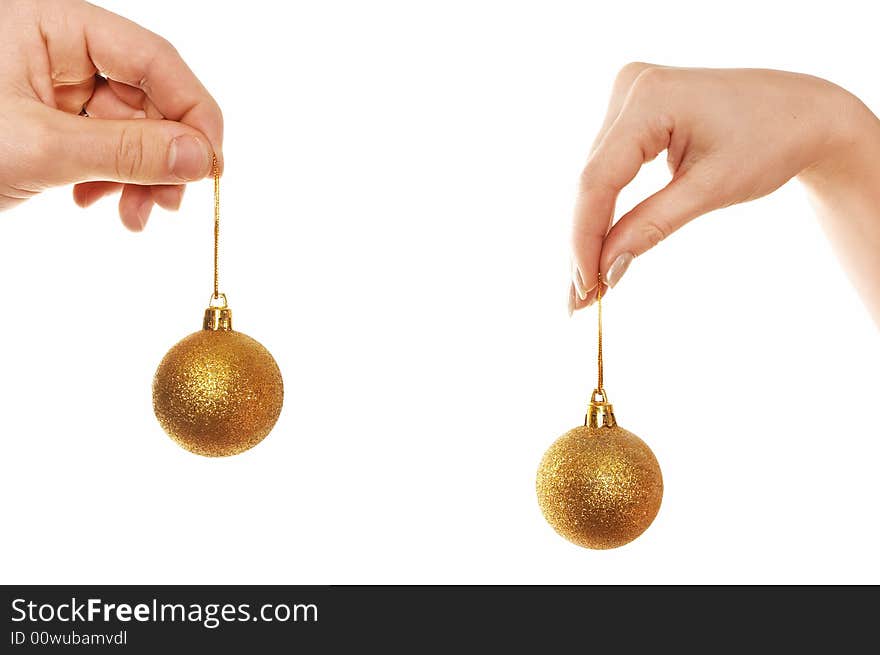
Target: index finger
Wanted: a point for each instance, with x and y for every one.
(630, 141)
(128, 53)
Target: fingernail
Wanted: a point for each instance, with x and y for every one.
(617, 269)
(571, 300)
(578, 281)
(140, 113)
(188, 158)
(168, 197)
(178, 199)
(143, 213)
(87, 199)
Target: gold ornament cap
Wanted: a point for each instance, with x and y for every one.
(600, 413)
(218, 316)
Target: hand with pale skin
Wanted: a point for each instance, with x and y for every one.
(150, 126)
(730, 136)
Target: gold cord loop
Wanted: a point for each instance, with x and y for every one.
(218, 301)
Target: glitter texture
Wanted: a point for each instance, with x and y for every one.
(599, 487)
(217, 392)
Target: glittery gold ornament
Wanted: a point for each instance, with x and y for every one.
(599, 485)
(217, 392)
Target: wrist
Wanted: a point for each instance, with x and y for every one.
(849, 151)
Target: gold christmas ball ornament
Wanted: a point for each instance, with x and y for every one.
(599, 485)
(217, 392)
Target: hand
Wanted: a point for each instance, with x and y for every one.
(730, 136)
(151, 124)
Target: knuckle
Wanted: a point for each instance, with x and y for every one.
(129, 153)
(162, 51)
(630, 72)
(650, 80)
(158, 55)
(654, 231)
(167, 48)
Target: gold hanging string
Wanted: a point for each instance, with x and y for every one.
(600, 384)
(599, 411)
(217, 315)
(216, 171)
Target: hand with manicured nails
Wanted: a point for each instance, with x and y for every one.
(151, 125)
(730, 136)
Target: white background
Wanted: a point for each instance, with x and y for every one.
(396, 206)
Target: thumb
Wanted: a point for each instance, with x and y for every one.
(649, 222)
(138, 151)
